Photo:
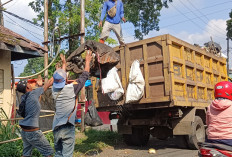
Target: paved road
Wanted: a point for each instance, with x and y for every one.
(167, 148)
(163, 149)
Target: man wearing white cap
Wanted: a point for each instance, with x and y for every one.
(65, 99)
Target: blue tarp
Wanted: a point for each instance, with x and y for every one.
(88, 83)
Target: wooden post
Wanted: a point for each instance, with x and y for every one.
(45, 39)
(83, 98)
(13, 93)
(1, 15)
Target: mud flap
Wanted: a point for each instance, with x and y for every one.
(184, 126)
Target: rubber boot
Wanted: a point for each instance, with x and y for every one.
(101, 41)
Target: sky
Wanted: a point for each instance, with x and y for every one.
(193, 21)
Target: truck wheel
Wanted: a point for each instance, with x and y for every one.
(198, 133)
(140, 136)
(181, 141)
(127, 139)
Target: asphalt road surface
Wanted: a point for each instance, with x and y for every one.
(167, 148)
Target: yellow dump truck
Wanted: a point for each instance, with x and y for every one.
(179, 85)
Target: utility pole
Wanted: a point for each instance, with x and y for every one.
(82, 99)
(1, 14)
(228, 56)
(46, 38)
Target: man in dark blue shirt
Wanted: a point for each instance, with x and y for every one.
(112, 23)
(32, 136)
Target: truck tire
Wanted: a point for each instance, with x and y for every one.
(127, 139)
(181, 141)
(139, 137)
(198, 133)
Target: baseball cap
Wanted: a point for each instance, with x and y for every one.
(59, 78)
(21, 86)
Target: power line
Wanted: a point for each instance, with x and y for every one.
(198, 17)
(215, 12)
(193, 21)
(15, 23)
(201, 9)
(21, 18)
(203, 15)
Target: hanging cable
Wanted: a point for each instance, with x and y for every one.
(57, 53)
(21, 18)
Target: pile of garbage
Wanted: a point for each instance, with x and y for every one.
(105, 58)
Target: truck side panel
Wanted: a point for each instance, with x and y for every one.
(174, 71)
(194, 73)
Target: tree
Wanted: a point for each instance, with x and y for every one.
(229, 26)
(66, 14)
(144, 15)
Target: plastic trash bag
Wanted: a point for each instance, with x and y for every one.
(91, 117)
(112, 85)
(135, 89)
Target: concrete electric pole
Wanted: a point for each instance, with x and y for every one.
(46, 38)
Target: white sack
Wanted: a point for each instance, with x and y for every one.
(135, 89)
(112, 84)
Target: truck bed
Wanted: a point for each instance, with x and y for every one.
(176, 73)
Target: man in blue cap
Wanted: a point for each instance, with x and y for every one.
(31, 135)
(65, 99)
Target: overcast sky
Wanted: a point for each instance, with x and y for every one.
(193, 21)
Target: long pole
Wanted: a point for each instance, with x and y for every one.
(82, 99)
(45, 39)
(1, 15)
(228, 56)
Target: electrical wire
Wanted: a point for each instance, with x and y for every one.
(193, 21)
(200, 17)
(21, 18)
(200, 9)
(32, 33)
(57, 53)
(204, 15)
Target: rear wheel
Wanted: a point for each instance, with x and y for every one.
(198, 133)
(139, 137)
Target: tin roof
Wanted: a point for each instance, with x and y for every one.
(21, 47)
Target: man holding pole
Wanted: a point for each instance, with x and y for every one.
(115, 12)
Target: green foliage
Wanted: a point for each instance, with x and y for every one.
(229, 26)
(144, 15)
(35, 65)
(12, 149)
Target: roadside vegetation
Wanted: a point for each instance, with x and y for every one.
(92, 142)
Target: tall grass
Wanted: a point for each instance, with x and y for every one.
(9, 131)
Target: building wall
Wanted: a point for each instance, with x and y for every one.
(5, 82)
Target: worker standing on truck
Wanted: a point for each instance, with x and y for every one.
(115, 12)
(65, 101)
(31, 135)
(219, 115)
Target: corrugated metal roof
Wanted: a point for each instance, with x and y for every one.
(9, 37)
